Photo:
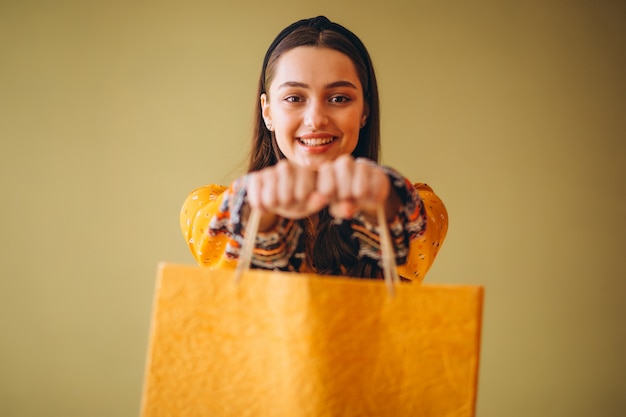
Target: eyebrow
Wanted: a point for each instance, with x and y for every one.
(327, 86)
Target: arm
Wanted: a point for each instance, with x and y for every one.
(417, 226)
(424, 248)
(213, 221)
(195, 216)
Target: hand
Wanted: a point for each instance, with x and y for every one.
(352, 185)
(286, 190)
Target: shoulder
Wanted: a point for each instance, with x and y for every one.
(431, 200)
(207, 192)
(423, 187)
(426, 192)
(204, 195)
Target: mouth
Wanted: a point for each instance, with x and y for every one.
(315, 141)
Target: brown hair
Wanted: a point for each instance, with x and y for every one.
(333, 251)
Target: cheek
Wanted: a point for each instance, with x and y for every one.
(283, 135)
(355, 134)
(354, 125)
(285, 122)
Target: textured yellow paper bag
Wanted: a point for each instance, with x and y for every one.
(279, 344)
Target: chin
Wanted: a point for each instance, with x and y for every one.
(313, 166)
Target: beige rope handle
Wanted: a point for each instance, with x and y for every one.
(390, 272)
(245, 252)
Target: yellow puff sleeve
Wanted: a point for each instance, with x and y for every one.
(195, 215)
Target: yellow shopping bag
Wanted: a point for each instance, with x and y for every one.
(280, 344)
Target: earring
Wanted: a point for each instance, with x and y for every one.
(363, 120)
(269, 126)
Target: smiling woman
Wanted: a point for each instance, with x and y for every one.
(314, 172)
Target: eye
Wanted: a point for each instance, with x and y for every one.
(293, 99)
(340, 99)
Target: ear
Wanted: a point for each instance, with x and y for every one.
(265, 110)
(365, 114)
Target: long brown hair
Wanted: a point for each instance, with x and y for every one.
(333, 251)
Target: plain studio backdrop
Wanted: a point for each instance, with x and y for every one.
(111, 112)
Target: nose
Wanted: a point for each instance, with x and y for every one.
(315, 115)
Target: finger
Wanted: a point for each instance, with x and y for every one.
(304, 184)
(325, 183)
(285, 183)
(362, 182)
(315, 202)
(380, 187)
(344, 209)
(343, 167)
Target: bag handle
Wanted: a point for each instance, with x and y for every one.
(390, 272)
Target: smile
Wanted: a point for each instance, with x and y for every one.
(316, 141)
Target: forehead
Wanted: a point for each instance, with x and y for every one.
(314, 66)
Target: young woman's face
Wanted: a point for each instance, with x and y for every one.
(314, 105)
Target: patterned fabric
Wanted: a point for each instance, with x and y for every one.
(213, 220)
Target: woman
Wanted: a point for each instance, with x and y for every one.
(313, 171)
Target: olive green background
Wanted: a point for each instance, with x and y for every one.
(112, 111)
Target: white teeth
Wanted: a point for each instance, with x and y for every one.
(316, 141)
